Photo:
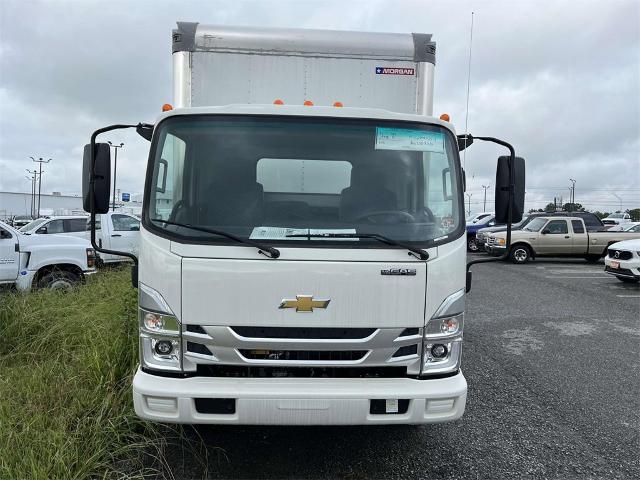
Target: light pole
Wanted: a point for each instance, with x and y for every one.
(115, 168)
(484, 208)
(40, 161)
(620, 199)
(33, 178)
(573, 193)
(469, 209)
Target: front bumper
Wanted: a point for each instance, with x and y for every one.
(626, 269)
(495, 249)
(299, 401)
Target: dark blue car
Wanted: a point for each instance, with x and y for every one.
(472, 229)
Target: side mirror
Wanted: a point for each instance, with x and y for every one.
(503, 190)
(42, 230)
(101, 178)
(546, 231)
(135, 228)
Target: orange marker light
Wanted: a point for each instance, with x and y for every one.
(445, 117)
(277, 101)
(166, 107)
(308, 103)
(338, 104)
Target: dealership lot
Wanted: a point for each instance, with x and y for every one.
(552, 360)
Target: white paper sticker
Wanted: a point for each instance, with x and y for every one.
(404, 139)
(391, 405)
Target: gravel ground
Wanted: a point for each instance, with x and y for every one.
(551, 356)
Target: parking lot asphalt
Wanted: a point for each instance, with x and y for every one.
(551, 355)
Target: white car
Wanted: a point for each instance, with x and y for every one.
(617, 218)
(623, 261)
(472, 220)
(625, 227)
(73, 225)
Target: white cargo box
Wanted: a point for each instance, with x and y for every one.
(215, 65)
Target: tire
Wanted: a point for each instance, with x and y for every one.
(472, 245)
(59, 280)
(627, 279)
(520, 254)
(592, 258)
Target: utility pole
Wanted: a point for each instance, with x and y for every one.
(620, 199)
(469, 209)
(484, 208)
(33, 177)
(40, 161)
(573, 193)
(115, 168)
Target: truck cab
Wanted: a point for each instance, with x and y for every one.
(72, 225)
(302, 244)
(45, 261)
(115, 231)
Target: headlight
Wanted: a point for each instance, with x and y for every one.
(502, 241)
(160, 333)
(442, 343)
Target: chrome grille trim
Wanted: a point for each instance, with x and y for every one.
(225, 346)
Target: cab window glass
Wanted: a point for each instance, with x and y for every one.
(54, 226)
(557, 227)
(577, 226)
(125, 223)
(75, 225)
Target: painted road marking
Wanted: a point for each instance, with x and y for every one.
(628, 296)
(583, 278)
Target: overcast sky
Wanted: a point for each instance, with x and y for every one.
(560, 80)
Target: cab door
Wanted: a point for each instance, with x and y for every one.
(580, 238)
(9, 258)
(124, 234)
(555, 238)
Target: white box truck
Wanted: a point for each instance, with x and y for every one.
(302, 245)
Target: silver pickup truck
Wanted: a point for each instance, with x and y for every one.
(556, 236)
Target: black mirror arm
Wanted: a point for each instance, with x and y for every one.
(511, 188)
(92, 205)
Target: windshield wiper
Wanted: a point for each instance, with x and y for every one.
(263, 249)
(415, 252)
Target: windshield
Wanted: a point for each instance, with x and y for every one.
(31, 225)
(616, 215)
(266, 178)
(535, 225)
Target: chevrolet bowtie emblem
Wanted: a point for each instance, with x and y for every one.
(304, 303)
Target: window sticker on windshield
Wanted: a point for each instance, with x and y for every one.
(282, 233)
(403, 139)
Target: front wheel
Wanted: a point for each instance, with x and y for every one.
(472, 245)
(592, 258)
(59, 280)
(627, 279)
(520, 254)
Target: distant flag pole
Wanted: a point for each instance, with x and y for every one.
(466, 120)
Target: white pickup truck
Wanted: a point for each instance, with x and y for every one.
(556, 236)
(45, 261)
(116, 231)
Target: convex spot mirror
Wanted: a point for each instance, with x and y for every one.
(502, 190)
(102, 178)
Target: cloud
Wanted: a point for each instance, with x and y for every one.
(559, 80)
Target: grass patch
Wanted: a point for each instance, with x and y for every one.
(66, 363)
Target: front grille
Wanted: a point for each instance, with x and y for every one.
(622, 254)
(304, 355)
(491, 241)
(406, 351)
(301, 332)
(236, 371)
(198, 348)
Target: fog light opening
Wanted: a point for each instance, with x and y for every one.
(163, 347)
(439, 351)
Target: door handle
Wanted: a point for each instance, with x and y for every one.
(116, 235)
(567, 236)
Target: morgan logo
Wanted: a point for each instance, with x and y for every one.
(395, 71)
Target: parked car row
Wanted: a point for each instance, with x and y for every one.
(564, 234)
(55, 251)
